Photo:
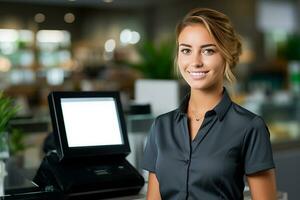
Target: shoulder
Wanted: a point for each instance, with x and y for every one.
(243, 119)
(165, 121)
(242, 112)
(252, 123)
(244, 115)
(169, 116)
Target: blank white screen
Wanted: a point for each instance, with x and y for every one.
(91, 121)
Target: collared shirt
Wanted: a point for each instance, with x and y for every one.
(230, 143)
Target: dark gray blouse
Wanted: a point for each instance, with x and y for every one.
(230, 143)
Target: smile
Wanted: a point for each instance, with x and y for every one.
(198, 74)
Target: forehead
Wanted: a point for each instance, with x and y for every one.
(194, 34)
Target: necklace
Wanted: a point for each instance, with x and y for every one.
(197, 118)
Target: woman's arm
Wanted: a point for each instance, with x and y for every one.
(153, 188)
(263, 185)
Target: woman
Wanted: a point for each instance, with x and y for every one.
(203, 149)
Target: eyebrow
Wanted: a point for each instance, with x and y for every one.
(202, 46)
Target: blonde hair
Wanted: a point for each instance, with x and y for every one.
(221, 29)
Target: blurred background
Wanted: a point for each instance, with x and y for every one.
(82, 45)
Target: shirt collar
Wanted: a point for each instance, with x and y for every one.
(224, 105)
(220, 109)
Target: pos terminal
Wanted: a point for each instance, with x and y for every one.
(91, 146)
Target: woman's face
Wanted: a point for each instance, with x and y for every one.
(200, 62)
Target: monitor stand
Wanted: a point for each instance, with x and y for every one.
(101, 177)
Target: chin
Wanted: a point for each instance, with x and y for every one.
(199, 86)
(204, 86)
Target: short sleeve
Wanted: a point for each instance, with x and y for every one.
(257, 149)
(150, 151)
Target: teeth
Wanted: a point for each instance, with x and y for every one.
(197, 73)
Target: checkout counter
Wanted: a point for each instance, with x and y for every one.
(89, 161)
(19, 186)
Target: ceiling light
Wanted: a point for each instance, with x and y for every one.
(129, 37)
(110, 45)
(53, 36)
(135, 37)
(8, 35)
(39, 17)
(125, 36)
(69, 18)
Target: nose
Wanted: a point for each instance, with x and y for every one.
(197, 60)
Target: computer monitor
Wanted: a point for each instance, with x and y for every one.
(88, 124)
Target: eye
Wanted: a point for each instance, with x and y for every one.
(208, 52)
(185, 51)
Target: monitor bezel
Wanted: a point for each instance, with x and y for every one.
(64, 151)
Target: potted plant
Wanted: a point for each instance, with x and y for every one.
(159, 86)
(7, 111)
(156, 60)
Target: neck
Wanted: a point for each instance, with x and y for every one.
(201, 101)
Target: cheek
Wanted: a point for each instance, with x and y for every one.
(182, 62)
(181, 69)
(181, 66)
(218, 65)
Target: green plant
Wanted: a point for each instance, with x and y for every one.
(290, 49)
(157, 60)
(16, 141)
(7, 111)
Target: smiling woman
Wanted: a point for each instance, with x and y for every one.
(204, 148)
